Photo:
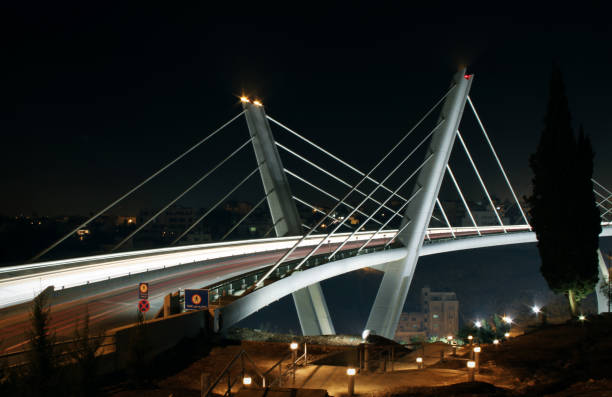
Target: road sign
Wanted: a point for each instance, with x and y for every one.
(196, 299)
(143, 305)
(143, 291)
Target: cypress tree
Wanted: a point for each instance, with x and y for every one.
(562, 206)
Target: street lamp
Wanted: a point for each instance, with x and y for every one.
(365, 334)
(470, 338)
(478, 324)
(496, 341)
(507, 335)
(246, 380)
(507, 320)
(419, 361)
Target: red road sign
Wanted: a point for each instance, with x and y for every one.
(143, 290)
(144, 306)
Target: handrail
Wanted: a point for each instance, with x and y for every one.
(226, 370)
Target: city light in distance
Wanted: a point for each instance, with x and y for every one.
(507, 320)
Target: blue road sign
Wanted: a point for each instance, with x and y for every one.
(196, 299)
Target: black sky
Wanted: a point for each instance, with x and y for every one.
(95, 97)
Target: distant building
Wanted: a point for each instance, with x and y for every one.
(439, 316)
(171, 224)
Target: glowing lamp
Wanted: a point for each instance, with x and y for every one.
(470, 337)
(365, 334)
(351, 371)
(257, 103)
(478, 324)
(535, 309)
(496, 341)
(293, 346)
(419, 360)
(477, 349)
(467, 76)
(582, 317)
(247, 380)
(244, 99)
(507, 334)
(471, 364)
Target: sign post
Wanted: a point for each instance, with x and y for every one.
(196, 299)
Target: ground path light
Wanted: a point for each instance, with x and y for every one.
(477, 350)
(471, 365)
(351, 372)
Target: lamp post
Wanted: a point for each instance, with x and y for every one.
(293, 346)
(477, 358)
(450, 341)
(471, 364)
(419, 361)
(470, 338)
(246, 380)
(351, 380)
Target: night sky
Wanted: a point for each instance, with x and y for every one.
(97, 97)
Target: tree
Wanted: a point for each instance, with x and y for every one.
(562, 206)
(84, 350)
(42, 374)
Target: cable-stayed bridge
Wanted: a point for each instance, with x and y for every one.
(385, 218)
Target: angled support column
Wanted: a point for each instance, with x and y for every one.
(601, 289)
(309, 302)
(393, 289)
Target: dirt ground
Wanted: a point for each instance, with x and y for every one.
(571, 359)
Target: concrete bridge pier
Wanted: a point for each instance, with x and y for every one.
(309, 301)
(601, 290)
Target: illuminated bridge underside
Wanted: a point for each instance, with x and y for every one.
(249, 304)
